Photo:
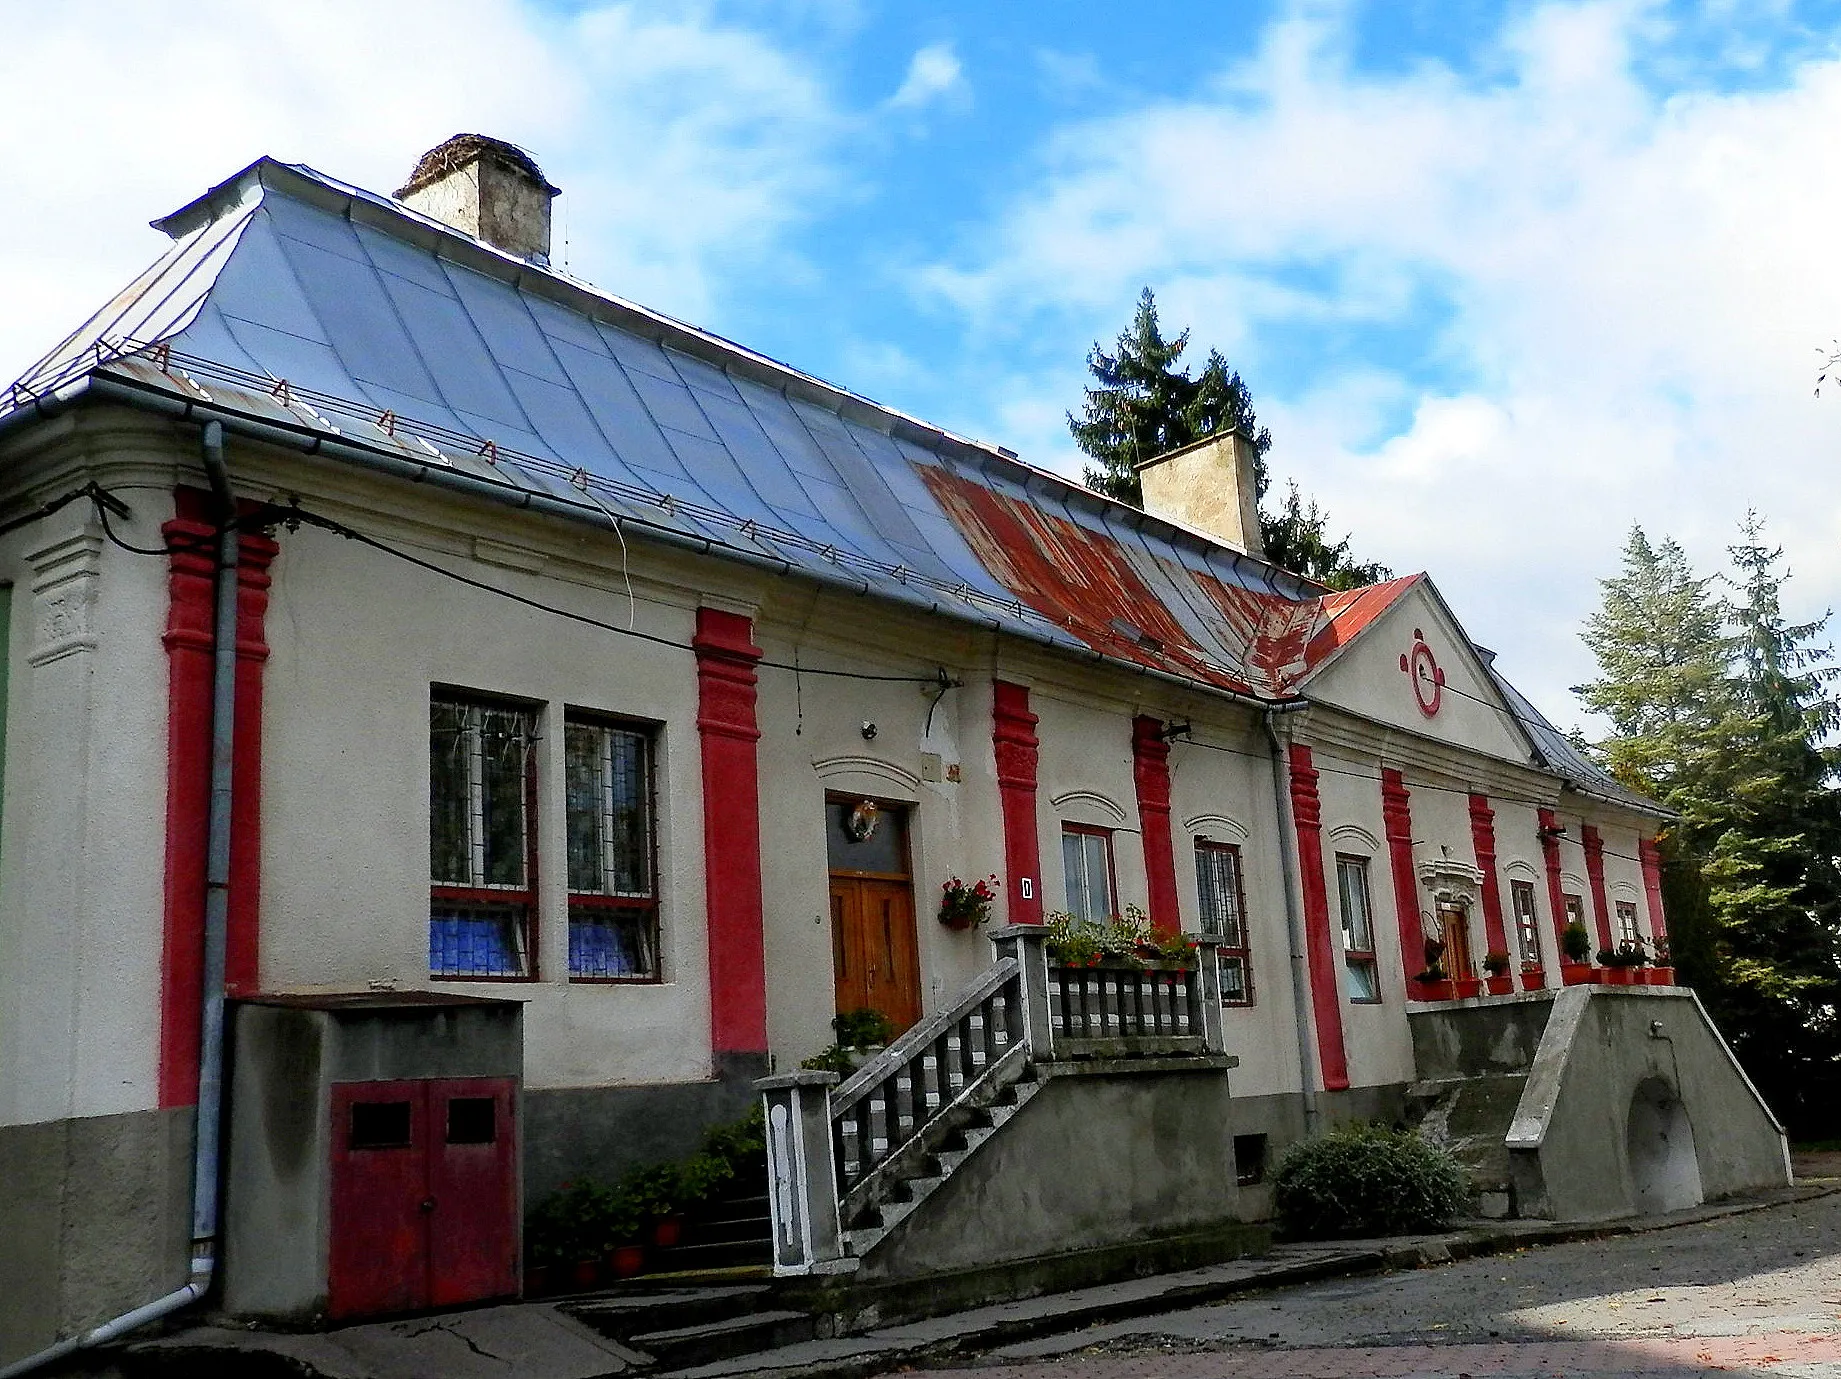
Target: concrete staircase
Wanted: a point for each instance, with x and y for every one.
(673, 1328)
(1470, 1117)
(910, 1177)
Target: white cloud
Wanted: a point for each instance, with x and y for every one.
(933, 74)
(1635, 292)
(684, 146)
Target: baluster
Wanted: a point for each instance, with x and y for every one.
(865, 1114)
(1192, 1000)
(917, 1087)
(1109, 987)
(942, 1069)
(1144, 1002)
(968, 1064)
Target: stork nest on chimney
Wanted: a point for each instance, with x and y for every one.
(451, 155)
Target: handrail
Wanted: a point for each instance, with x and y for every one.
(896, 1056)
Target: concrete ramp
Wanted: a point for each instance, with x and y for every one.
(1634, 1104)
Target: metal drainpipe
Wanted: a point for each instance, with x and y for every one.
(205, 1156)
(1294, 924)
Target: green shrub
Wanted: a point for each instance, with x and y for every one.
(863, 1028)
(1367, 1180)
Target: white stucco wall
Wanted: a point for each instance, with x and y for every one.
(82, 856)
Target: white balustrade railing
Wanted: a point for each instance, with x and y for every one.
(829, 1144)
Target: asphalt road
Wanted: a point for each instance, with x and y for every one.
(1758, 1293)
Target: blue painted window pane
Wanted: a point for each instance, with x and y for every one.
(476, 940)
(612, 943)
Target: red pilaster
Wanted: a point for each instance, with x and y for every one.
(1150, 760)
(189, 638)
(1483, 840)
(728, 734)
(1594, 873)
(1325, 988)
(1013, 740)
(1397, 818)
(1651, 856)
(1556, 894)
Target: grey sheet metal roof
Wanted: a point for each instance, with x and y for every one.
(301, 300)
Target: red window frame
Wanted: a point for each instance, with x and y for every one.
(1242, 952)
(1112, 870)
(523, 896)
(1362, 957)
(593, 902)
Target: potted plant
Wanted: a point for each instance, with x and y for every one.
(656, 1193)
(1496, 964)
(862, 1033)
(1575, 955)
(1622, 964)
(626, 1254)
(564, 1237)
(964, 906)
(1433, 984)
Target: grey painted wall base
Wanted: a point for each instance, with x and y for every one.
(1097, 1161)
(95, 1219)
(601, 1132)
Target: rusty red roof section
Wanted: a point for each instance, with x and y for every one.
(1248, 641)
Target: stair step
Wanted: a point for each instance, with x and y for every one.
(717, 1254)
(682, 1347)
(723, 1232)
(633, 1309)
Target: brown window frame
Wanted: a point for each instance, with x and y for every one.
(588, 903)
(1527, 925)
(1227, 952)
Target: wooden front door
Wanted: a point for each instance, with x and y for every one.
(1456, 922)
(875, 951)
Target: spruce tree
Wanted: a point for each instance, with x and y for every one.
(1720, 709)
(1145, 405)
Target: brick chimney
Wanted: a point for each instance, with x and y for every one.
(1208, 485)
(488, 188)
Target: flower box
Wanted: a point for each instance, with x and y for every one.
(1533, 978)
(1500, 985)
(1662, 976)
(1436, 989)
(1468, 987)
(1575, 974)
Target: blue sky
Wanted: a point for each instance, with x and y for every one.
(1504, 278)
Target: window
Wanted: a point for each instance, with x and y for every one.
(1249, 1159)
(1223, 902)
(1575, 910)
(1363, 981)
(1527, 931)
(1626, 923)
(482, 845)
(608, 824)
(1086, 853)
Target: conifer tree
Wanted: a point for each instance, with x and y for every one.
(1146, 405)
(1720, 709)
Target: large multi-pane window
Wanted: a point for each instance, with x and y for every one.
(1086, 856)
(1223, 904)
(613, 890)
(1527, 927)
(1363, 974)
(482, 839)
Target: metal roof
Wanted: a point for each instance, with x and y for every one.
(307, 302)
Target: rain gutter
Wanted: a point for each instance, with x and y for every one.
(208, 1126)
(311, 442)
(1294, 923)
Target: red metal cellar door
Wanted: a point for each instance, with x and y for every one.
(472, 1179)
(380, 1200)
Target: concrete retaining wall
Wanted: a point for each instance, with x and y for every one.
(1634, 1103)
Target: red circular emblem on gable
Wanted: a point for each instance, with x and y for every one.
(1421, 666)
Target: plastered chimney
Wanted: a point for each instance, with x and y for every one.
(490, 189)
(1208, 485)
